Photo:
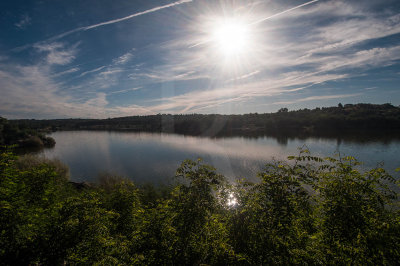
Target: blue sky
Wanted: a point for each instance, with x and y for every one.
(102, 58)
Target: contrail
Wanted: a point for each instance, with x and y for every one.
(163, 7)
(62, 35)
(264, 19)
(120, 19)
(283, 12)
(137, 14)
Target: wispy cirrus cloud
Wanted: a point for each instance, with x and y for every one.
(126, 90)
(212, 98)
(293, 55)
(323, 70)
(68, 71)
(245, 76)
(334, 51)
(23, 22)
(56, 54)
(123, 59)
(316, 98)
(284, 12)
(91, 71)
(104, 77)
(155, 76)
(110, 72)
(136, 14)
(33, 90)
(109, 22)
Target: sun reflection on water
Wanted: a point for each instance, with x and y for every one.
(232, 201)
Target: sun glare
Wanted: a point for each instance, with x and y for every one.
(231, 37)
(230, 43)
(232, 201)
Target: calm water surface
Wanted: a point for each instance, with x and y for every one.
(154, 157)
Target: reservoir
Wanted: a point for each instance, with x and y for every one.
(154, 157)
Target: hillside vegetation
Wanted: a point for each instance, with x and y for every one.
(23, 135)
(327, 121)
(308, 210)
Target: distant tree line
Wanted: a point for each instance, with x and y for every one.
(306, 211)
(347, 119)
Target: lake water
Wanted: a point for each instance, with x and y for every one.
(154, 157)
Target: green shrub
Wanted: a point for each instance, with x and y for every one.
(32, 142)
(307, 210)
(29, 161)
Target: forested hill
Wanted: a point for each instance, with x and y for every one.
(350, 118)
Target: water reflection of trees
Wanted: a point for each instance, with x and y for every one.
(360, 123)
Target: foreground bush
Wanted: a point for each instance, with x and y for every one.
(307, 210)
(29, 161)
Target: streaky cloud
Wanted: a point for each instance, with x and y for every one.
(71, 70)
(322, 97)
(154, 9)
(137, 14)
(245, 76)
(80, 29)
(24, 22)
(122, 91)
(264, 19)
(91, 71)
(283, 12)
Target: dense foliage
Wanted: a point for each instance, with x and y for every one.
(307, 210)
(327, 121)
(23, 135)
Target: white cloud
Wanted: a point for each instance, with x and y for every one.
(323, 42)
(31, 91)
(68, 71)
(23, 22)
(123, 59)
(62, 35)
(137, 14)
(99, 101)
(126, 90)
(333, 51)
(109, 72)
(205, 99)
(105, 79)
(316, 98)
(284, 12)
(172, 74)
(91, 71)
(106, 76)
(56, 53)
(245, 76)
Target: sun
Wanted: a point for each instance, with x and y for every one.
(231, 37)
(229, 43)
